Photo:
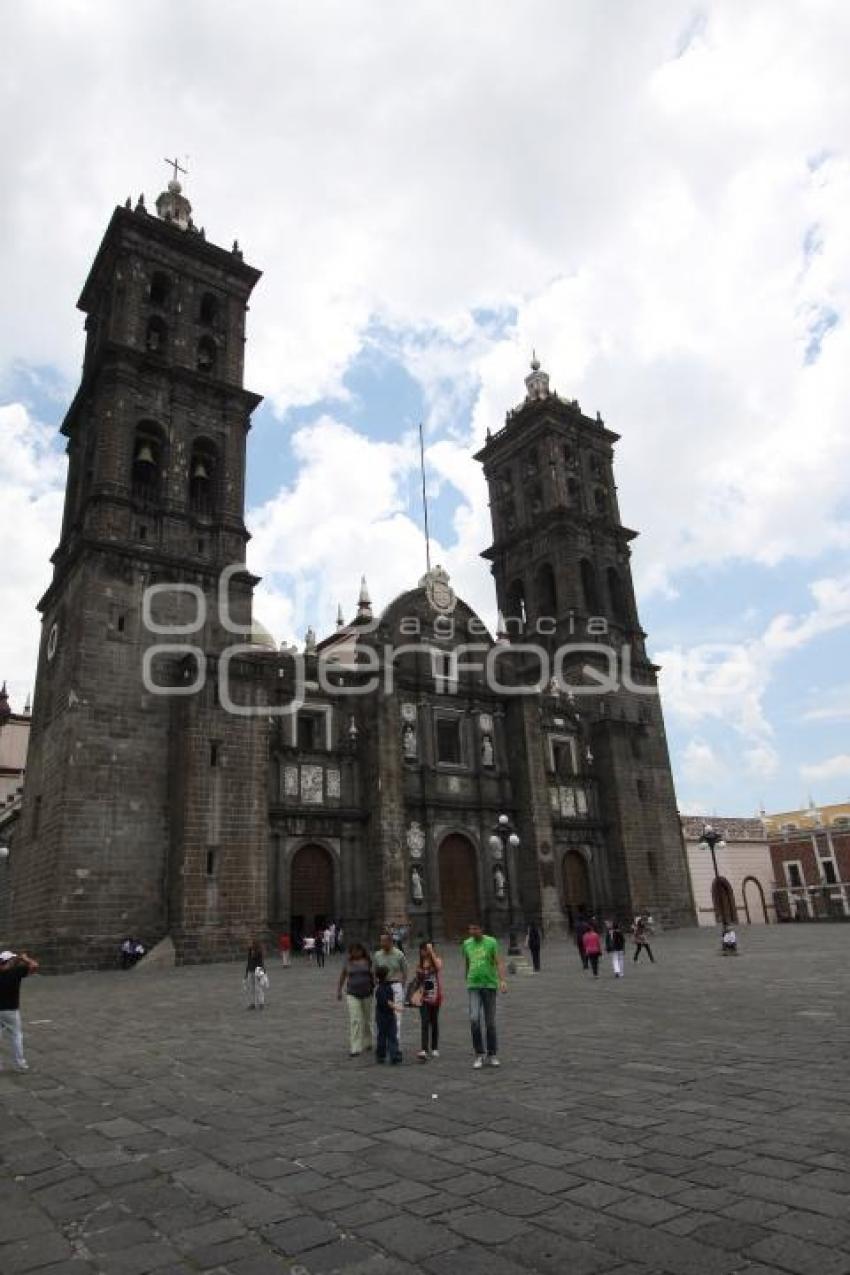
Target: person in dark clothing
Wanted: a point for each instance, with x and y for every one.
(254, 966)
(386, 1020)
(582, 926)
(533, 940)
(14, 968)
(320, 949)
(615, 946)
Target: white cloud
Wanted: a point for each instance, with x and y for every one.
(700, 763)
(837, 767)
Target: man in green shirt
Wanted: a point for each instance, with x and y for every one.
(391, 958)
(485, 978)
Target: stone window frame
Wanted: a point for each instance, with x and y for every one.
(456, 715)
(315, 710)
(568, 739)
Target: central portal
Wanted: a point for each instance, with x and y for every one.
(311, 891)
(458, 885)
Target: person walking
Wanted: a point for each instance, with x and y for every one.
(387, 1014)
(582, 926)
(319, 944)
(641, 931)
(485, 978)
(356, 978)
(533, 940)
(284, 947)
(308, 946)
(429, 985)
(14, 968)
(592, 949)
(255, 976)
(615, 946)
(390, 957)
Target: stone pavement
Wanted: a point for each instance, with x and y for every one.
(692, 1118)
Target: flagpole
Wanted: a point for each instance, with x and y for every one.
(424, 498)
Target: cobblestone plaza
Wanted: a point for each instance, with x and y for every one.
(693, 1117)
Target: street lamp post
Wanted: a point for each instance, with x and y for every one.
(712, 838)
(504, 842)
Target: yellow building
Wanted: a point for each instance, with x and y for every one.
(807, 819)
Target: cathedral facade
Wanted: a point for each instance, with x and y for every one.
(188, 779)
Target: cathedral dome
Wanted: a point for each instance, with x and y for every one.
(260, 636)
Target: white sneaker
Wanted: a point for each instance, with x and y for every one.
(422, 1055)
(21, 1066)
(493, 1061)
(435, 1053)
(479, 1062)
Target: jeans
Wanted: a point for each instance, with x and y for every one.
(429, 1018)
(359, 1022)
(617, 964)
(638, 947)
(593, 958)
(320, 955)
(387, 1028)
(482, 1004)
(535, 957)
(10, 1025)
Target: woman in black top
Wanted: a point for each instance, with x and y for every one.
(357, 979)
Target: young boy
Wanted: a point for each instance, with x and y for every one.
(386, 1019)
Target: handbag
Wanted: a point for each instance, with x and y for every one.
(262, 978)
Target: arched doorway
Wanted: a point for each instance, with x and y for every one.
(754, 904)
(458, 885)
(311, 890)
(724, 901)
(576, 885)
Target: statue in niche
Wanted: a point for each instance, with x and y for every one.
(417, 892)
(487, 756)
(408, 740)
(499, 881)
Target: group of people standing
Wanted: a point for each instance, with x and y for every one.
(383, 978)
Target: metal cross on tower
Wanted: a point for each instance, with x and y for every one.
(178, 168)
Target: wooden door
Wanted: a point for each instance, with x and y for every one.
(458, 886)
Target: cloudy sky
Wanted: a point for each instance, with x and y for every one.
(653, 195)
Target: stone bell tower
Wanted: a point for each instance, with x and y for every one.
(140, 804)
(561, 561)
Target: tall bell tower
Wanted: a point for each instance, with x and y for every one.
(125, 827)
(560, 559)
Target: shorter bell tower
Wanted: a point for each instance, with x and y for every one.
(561, 562)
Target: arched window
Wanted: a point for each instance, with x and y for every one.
(206, 354)
(208, 312)
(203, 472)
(589, 587)
(147, 464)
(600, 499)
(516, 603)
(156, 336)
(617, 596)
(547, 601)
(160, 288)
